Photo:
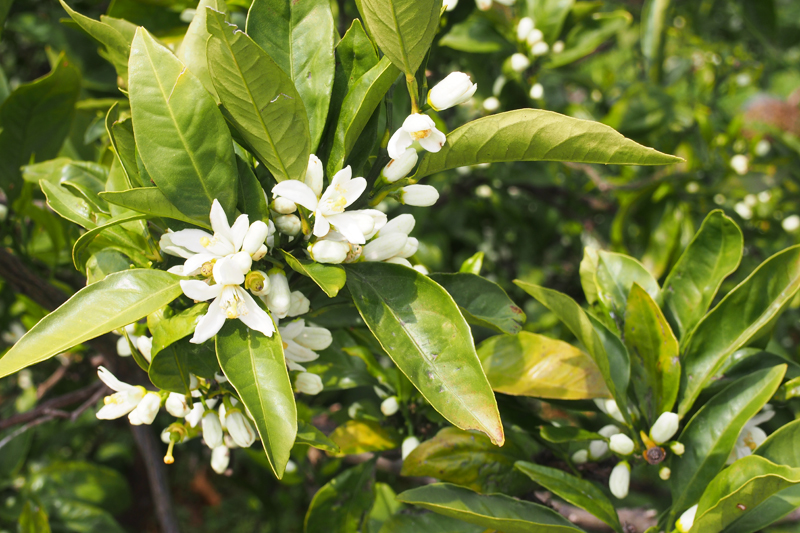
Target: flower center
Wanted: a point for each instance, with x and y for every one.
(232, 305)
(421, 134)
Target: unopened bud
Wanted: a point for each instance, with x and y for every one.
(519, 62)
(419, 195)
(328, 251)
(308, 383)
(621, 444)
(283, 206)
(524, 27)
(686, 521)
(389, 406)
(665, 427)
(580, 457)
(677, 448)
(288, 224)
(409, 445)
(399, 168)
(664, 473)
(620, 480)
(314, 175)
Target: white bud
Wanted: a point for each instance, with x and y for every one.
(519, 62)
(524, 27)
(740, 164)
(146, 411)
(484, 5)
(664, 473)
(300, 304)
(212, 429)
(620, 480)
(389, 406)
(399, 168)
(597, 449)
(677, 448)
(3, 212)
(220, 459)
(686, 521)
(288, 224)
(454, 90)
(534, 36)
(145, 346)
(313, 338)
(422, 269)
(580, 457)
(254, 239)
(123, 348)
(537, 91)
(558, 47)
(791, 223)
(240, 429)
(608, 431)
(291, 467)
(400, 224)
(261, 252)
(176, 405)
(283, 206)
(279, 298)
(384, 247)
(328, 251)
(409, 445)
(308, 383)
(491, 104)
(419, 195)
(612, 409)
(665, 427)
(621, 444)
(762, 148)
(540, 48)
(450, 5)
(314, 175)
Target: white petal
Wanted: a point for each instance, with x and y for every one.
(401, 223)
(239, 230)
(315, 338)
(294, 366)
(191, 239)
(342, 177)
(417, 122)
(209, 325)
(321, 225)
(298, 192)
(299, 354)
(347, 225)
(243, 261)
(219, 221)
(227, 271)
(200, 290)
(255, 237)
(255, 317)
(399, 143)
(192, 265)
(353, 189)
(109, 379)
(433, 142)
(293, 329)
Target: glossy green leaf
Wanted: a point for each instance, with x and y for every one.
(482, 302)
(342, 503)
(615, 275)
(152, 202)
(68, 205)
(614, 366)
(124, 144)
(537, 135)
(360, 436)
(711, 434)
(299, 37)
(181, 136)
(475, 35)
(744, 485)
(35, 120)
(429, 523)
(403, 29)
(105, 262)
(168, 327)
(528, 364)
(255, 366)
(252, 200)
(584, 38)
(559, 434)
(383, 509)
(87, 180)
(473, 265)
(588, 273)
(741, 316)
(169, 370)
(49, 170)
(115, 302)
(713, 254)
(578, 492)
(550, 16)
(192, 50)
(655, 367)
(468, 459)
(418, 324)
(493, 511)
(308, 434)
(343, 365)
(33, 521)
(79, 251)
(360, 103)
(329, 278)
(259, 99)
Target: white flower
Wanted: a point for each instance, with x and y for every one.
(454, 90)
(540, 48)
(399, 168)
(665, 427)
(201, 249)
(419, 195)
(176, 405)
(419, 128)
(329, 251)
(288, 224)
(384, 247)
(524, 27)
(620, 480)
(537, 91)
(229, 301)
(580, 457)
(519, 62)
(301, 343)
(740, 164)
(558, 47)
(125, 399)
(484, 5)
(491, 104)
(146, 411)
(686, 521)
(220, 459)
(299, 304)
(450, 5)
(308, 383)
(212, 429)
(621, 444)
(751, 436)
(791, 223)
(240, 429)
(145, 346)
(409, 445)
(329, 210)
(279, 299)
(196, 414)
(390, 406)
(314, 175)
(534, 36)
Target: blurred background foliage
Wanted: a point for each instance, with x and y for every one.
(709, 80)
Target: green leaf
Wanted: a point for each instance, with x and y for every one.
(383, 509)
(124, 144)
(34, 121)
(169, 369)
(528, 364)
(46, 170)
(475, 35)
(559, 434)
(429, 523)
(342, 365)
(255, 366)
(713, 254)
(168, 327)
(361, 436)
(260, 100)
(329, 278)
(181, 136)
(493, 511)
(655, 367)
(118, 300)
(357, 109)
(585, 330)
(299, 37)
(99, 486)
(468, 459)
(615, 275)
(420, 327)
(482, 302)
(31, 521)
(579, 492)
(746, 311)
(550, 16)
(588, 273)
(192, 50)
(308, 434)
(79, 255)
(342, 504)
(68, 205)
(585, 37)
(252, 200)
(654, 25)
(86, 179)
(744, 485)
(711, 434)
(403, 29)
(152, 202)
(537, 135)
(781, 446)
(473, 265)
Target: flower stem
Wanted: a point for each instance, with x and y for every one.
(413, 92)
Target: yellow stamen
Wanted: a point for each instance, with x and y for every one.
(169, 459)
(205, 242)
(421, 134)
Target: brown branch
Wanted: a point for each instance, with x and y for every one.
(51, 381)
(56, 404)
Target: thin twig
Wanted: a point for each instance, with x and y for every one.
(53, 405)
(51, 381)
